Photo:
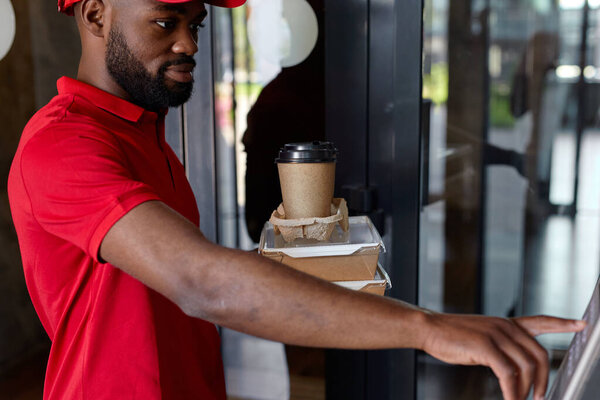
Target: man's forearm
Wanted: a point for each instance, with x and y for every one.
(268, 299)
(251, 293)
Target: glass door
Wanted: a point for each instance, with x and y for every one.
(510, 222)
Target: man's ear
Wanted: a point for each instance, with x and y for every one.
(91, 14)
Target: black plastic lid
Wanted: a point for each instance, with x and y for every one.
(308, 152)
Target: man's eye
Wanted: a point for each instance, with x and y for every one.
(196, 27)
(166, 24)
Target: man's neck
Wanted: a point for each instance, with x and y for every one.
(99, 77)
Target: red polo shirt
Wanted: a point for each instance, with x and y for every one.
(83, 162)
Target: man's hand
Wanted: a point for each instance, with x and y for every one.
(506, 346)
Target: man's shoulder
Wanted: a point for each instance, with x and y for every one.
(64, 120)
(62, 130)
(64, 112)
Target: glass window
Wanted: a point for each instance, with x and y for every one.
(511, 225)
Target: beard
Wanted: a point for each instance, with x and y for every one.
(147, 91)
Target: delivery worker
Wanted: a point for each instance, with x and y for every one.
(124, 282)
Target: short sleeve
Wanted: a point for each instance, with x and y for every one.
(79, 185)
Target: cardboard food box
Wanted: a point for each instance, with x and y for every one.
(378, 285)
(346, 256)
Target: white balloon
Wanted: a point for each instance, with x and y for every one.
(282, 32)
(7, 27)
(303, 28)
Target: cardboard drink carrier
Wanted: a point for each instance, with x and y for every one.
(348, 258)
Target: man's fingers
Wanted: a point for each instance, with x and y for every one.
(540, 324)
(506, 373)
(526, 365)
(538, 355)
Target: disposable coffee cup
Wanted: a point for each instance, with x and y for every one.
(307, 177)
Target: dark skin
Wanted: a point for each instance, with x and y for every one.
(252, 294)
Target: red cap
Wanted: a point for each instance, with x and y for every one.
(66, 6)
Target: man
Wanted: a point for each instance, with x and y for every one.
(126, 285)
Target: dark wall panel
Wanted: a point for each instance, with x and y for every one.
(346, 87)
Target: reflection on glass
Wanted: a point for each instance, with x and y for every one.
(512, 221)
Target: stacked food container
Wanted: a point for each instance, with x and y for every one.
(348, 258)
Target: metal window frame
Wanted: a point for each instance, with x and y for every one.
(190, 131)
(373, 102)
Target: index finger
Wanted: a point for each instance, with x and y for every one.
(540, 324)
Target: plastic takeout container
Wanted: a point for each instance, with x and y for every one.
(346, 256)
(378, 285)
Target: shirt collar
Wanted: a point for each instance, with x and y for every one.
(104, 100)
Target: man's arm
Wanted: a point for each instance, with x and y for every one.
(252, 294)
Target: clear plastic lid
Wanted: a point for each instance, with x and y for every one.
(360, 236)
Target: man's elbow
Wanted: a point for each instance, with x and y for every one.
(204, 289)
(207, 303)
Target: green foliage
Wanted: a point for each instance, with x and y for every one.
(435, 84)
(243, 53)
(500, 114)
(248, 89)
(435, 87)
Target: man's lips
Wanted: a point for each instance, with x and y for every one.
(180, 72)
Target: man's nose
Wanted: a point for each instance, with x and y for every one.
(186, 43)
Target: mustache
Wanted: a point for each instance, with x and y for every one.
(181, 60)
